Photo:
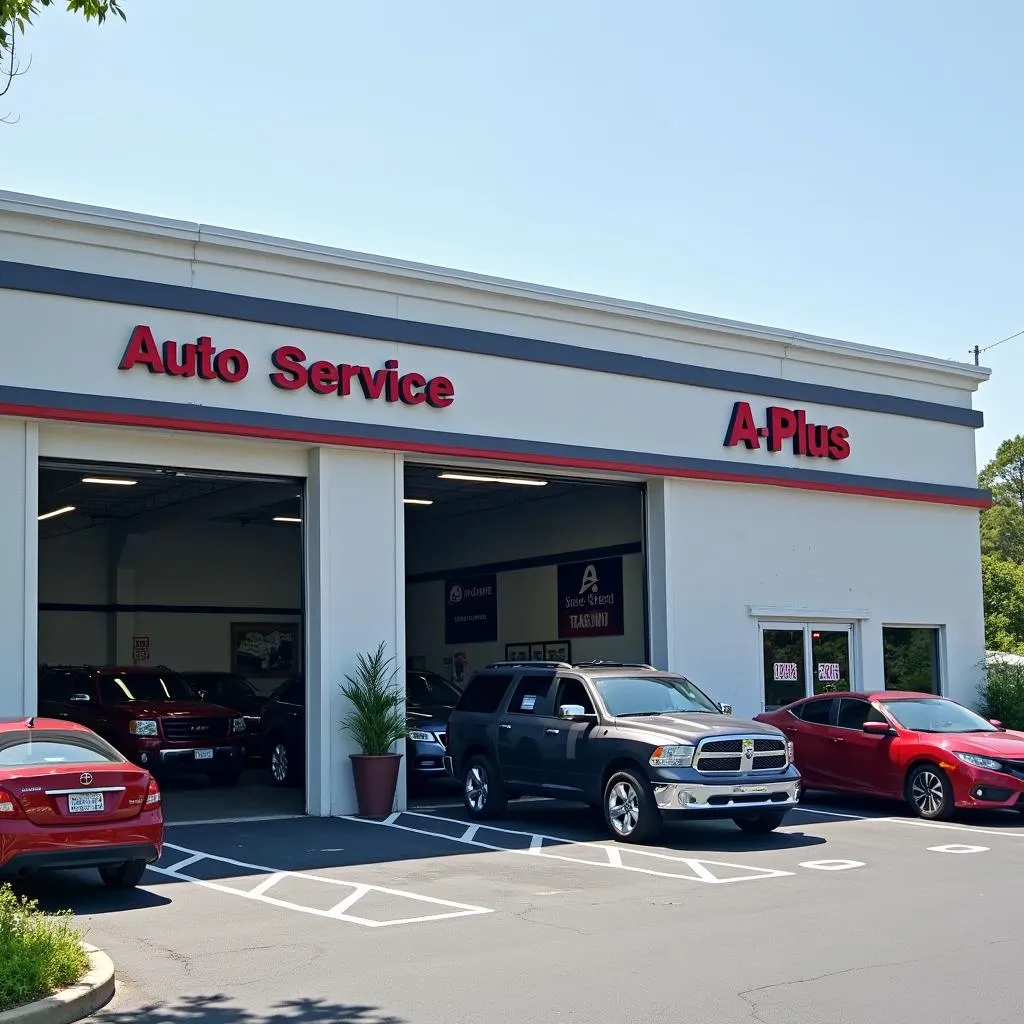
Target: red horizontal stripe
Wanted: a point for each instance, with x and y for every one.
(310, 437)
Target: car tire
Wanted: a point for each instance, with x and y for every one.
(760, 824)
(482, 791)
(123, 876)
(281, 762)
(630, 813)
(930, 793)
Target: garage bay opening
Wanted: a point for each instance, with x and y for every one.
(171, 623)
(508, 565)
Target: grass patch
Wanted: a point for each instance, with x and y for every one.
(39, 953)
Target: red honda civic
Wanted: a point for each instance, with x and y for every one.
(930, 751)
(69, 800)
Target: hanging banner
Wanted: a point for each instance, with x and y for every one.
(471, 610)
(590, 598)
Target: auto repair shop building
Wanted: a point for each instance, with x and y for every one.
(771, 514)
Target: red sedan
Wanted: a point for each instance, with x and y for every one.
(930, 751)
(69, 800)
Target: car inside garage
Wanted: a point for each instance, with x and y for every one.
(505, 564)
(171, 622)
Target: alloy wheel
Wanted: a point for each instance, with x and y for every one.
(476, 788)
(623, 808)
(927, 793)
(279, 762)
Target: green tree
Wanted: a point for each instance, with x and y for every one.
(17, 15)
(1003, 584)
(1002, 525)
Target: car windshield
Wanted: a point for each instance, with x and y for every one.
(653, 695)
(117, 688)
(936, 714)
(423, 689)
(231, 688)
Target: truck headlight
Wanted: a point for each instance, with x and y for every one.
(238, 725)
(421, 737)
(980, 762)
(678, 756)
(142, 727)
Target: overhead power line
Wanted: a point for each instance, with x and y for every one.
(977, 350)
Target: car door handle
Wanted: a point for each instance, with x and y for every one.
(838, 739)
(503, 725)
(552, 732)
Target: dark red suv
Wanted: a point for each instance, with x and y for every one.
(152, 715)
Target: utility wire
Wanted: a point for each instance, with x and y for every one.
(977, 350)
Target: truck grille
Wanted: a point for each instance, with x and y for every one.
(740, 754)
(201, 730)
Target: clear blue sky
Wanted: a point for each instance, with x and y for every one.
(848, 169)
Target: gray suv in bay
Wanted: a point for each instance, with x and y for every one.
(640, 744)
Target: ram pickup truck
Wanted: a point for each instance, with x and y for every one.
(640, 744)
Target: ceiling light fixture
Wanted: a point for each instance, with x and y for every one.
(287, 519)
(472, 478)
(57, 512)
(418, 501)
(108, 480)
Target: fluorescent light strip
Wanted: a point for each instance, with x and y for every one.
(418, 501)
(287, 519)
(474, 479)
(108, 480)
(57, 512)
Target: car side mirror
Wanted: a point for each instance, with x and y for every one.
(996, 723)
(202, 694)
(575, 713)
(79, 698)
(726, 709)
(878, 729)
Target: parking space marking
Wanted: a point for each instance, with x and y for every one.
(958, 848)
(832, 865)
(697, 869)
(339, 911)
(916, 821)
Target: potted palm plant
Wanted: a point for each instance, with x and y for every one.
(376, 722)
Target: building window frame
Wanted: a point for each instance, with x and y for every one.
(939, 649)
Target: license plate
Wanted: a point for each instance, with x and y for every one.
(204, 755)
(751, 789)
(84, 803)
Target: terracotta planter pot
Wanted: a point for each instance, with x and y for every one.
(376, 779)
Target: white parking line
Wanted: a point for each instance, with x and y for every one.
(699, 869)
(916, 821)
(957, 848)
(338, 911)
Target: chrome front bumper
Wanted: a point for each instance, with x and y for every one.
(687, 796)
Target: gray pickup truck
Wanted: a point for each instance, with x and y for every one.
(642, 745)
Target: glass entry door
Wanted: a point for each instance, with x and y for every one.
(799, 659)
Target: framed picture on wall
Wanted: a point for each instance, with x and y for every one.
(536, 652)
(560, 651)
(517, 652)
(267, 649)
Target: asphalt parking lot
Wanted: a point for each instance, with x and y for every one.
(849, 913)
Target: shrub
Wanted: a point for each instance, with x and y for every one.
(1002, 693)
(39, 953)
(377, 721)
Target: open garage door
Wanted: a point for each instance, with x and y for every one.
(171, 622)
(507, 565)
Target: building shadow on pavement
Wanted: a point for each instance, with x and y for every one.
(221, 1009)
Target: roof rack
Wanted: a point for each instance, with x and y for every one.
(529, 664)
(615, 664)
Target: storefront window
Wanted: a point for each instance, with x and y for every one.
(830, 655)
(804, 658)
(784, 666)
(911, 658)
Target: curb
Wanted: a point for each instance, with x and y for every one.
(92, 993)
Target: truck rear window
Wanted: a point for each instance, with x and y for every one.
(484, 694)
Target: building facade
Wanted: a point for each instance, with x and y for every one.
(810, 506)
